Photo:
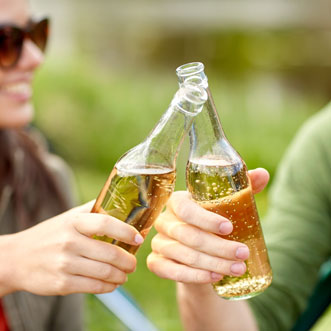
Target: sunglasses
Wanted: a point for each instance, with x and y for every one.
(12, 40)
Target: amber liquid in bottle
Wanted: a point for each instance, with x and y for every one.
(224, 188)
(135, 196)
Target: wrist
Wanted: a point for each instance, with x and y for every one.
(195, 290)
(202, 309)
(7, 263)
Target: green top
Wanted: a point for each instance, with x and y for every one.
(297, 227)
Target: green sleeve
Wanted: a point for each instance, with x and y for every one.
(297, 227)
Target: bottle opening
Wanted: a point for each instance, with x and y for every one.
(192, 73)
(190, 69)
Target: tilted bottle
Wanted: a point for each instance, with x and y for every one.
(143, 179)
(217, 178)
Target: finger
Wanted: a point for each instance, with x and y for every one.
(169, 269)
(81, 284)
(174, 250)
(202, 241)
(190, 212)
(103, 225)
(259, 179)
(98, 270)
(101, 251)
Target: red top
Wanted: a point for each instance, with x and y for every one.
(3, 321)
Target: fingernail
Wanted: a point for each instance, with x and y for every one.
(138, 239)
(216, 276)
(242, 253)
(226, 227)
(238, 268)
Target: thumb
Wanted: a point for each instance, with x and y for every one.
(85, 208)
(259, 179)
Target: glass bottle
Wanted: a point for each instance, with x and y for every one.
(143, 179)
(218, 180)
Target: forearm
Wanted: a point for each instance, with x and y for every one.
(202, 309)
(6, 265)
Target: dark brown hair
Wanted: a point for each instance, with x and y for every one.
(22, 169)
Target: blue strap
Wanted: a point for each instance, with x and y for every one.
(319, 301)
(125, 308)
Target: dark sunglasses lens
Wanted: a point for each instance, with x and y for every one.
(39, 34)
(11, 41)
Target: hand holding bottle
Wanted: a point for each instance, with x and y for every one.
(188, 247)
(59, 256)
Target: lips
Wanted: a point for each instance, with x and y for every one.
(19, 91)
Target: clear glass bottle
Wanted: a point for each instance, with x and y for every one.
(143, 179)
(217, 178)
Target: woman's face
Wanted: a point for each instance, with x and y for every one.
(16, 109)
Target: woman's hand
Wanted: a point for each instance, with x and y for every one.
(59, 256)
(188, 247)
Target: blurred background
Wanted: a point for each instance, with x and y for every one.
(110, 74)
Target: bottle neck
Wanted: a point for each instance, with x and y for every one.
(213, 117)
(167, 137)
(161, 147)
(207, 138)
(194, 73)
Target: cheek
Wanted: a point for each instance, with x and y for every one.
(15, 115)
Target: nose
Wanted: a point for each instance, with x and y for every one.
(32, 57)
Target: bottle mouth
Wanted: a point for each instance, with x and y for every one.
(191, 98)
(190, 69)
(192, 73)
